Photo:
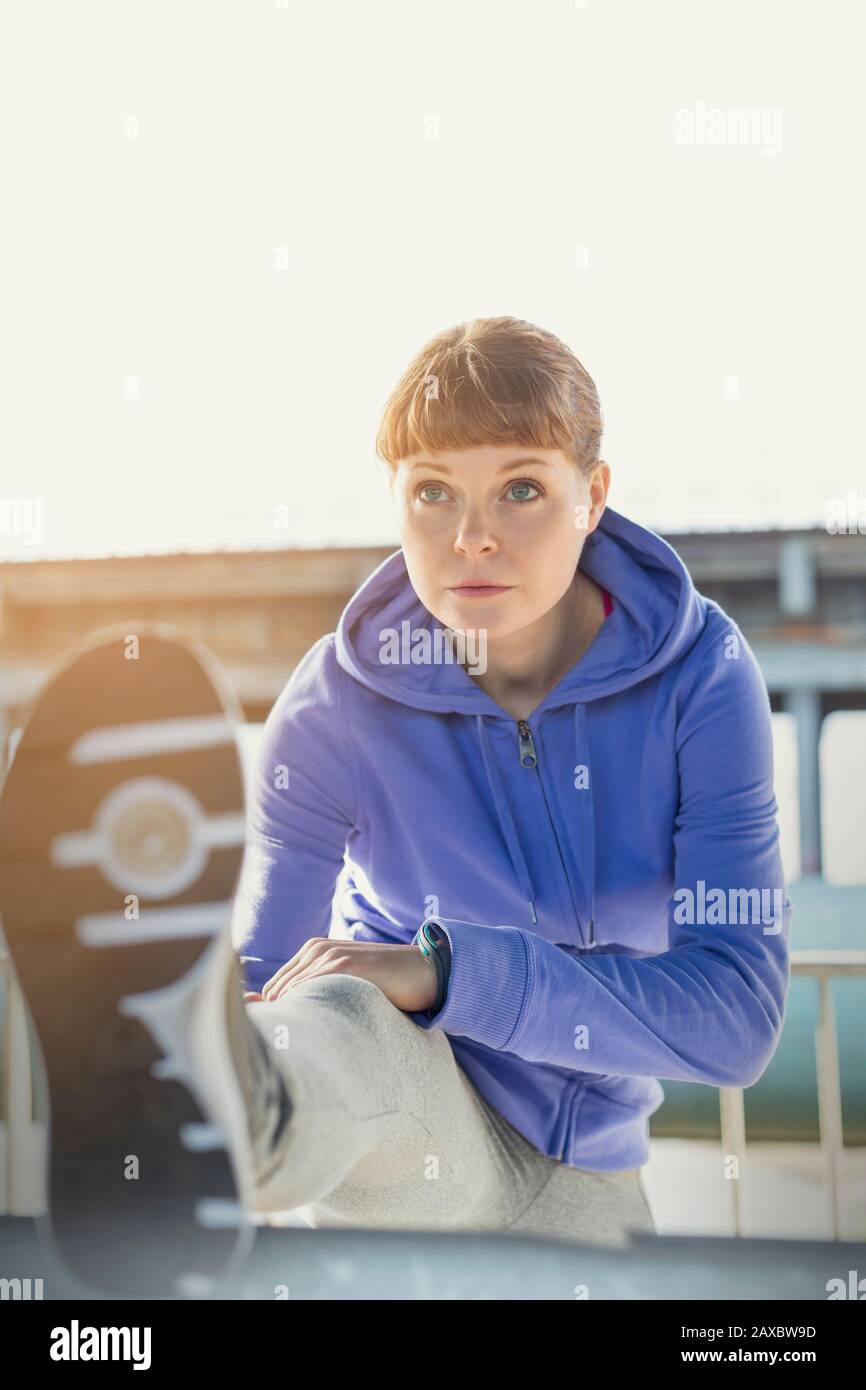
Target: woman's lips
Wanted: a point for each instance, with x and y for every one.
(480, 590)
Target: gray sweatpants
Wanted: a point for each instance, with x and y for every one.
(388, 1131)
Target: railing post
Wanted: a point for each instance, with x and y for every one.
(830, 1126)
(732, 1111)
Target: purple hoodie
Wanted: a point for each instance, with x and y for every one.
(608, 873)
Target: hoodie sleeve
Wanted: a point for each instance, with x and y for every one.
(710, 1008)
(300, 813)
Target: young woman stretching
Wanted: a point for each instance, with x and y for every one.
(530, 732)
(536, 764)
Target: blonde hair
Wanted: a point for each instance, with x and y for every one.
(493, 381)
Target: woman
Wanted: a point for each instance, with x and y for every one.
(531, 731)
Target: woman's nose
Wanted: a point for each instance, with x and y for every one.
(474, 535)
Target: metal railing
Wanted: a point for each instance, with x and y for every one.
(22, 1138)
(820, 966)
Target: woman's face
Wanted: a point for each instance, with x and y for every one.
(499, 514)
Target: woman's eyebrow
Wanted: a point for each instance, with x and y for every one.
(506, 467)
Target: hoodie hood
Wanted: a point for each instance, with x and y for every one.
(657, 617)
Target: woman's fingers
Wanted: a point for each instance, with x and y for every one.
(327, 958)
(323, 955)
(298, 962)
(322, 963)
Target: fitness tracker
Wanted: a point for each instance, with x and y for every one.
(432, 942)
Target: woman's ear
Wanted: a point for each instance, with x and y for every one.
(599, 484)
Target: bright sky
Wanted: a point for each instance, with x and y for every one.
(229, 227)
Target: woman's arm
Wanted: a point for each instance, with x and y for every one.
(301, 810)
(710, 1008)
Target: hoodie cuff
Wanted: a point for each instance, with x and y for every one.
(488, 982)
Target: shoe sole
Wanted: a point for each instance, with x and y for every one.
(121, 839)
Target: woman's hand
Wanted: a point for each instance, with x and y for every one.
(407, 977)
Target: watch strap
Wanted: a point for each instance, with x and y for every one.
(433, 942)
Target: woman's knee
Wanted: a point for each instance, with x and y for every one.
(353, 997)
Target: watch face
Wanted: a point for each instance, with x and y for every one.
(442, 944)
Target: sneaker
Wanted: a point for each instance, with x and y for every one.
(268, 1105)
(122, 831)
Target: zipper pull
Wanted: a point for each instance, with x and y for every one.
(591, 932)
(528, 756)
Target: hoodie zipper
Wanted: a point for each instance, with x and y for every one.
(529, 759)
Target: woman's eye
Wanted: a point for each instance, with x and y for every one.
(525, 482)
(429, 487)
(518, 483)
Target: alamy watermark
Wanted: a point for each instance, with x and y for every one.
(22, 516)
(716, 125)
(20, 1289)
(731, 907)
(441, 646)
(846, 515)
(854, 1287)
(77, 1343)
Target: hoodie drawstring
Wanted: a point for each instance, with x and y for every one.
(584, 810)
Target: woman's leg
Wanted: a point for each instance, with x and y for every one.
(577, 1204)
(593, 1208)
(387, 1130)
